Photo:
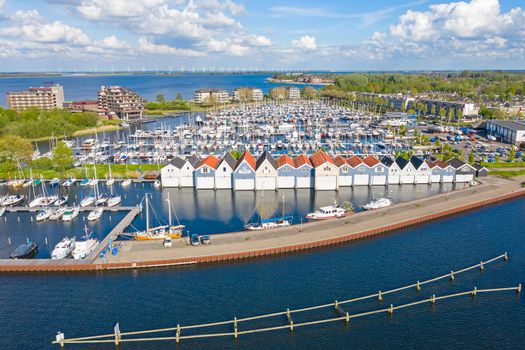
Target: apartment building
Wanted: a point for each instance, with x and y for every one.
(285, 93)
(211, 96)
(44, 97)
(122, 101)
(248, 94)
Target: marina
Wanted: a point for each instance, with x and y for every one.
(249, 244)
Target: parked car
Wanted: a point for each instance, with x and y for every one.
(195, 240)
(205, 239)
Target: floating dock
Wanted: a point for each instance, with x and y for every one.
(246, 245)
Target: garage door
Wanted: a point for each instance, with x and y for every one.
(447, 178)
(244, 184)
(326, 183)
(205, 183)
(435, 178)
(463, 178)
(345, 181)
(170, 182)
(407, 179)
(223, 182)
(361, 180)
(285, 182)
(422, 179)
(393, 179)
(379, 180)
(304, 182)
(186, 181)
(266, 183)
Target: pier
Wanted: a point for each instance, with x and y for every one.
(283, 320)
(248, 245)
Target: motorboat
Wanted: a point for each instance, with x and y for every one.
(110, 182)
(57, 213)
(378, 204)
(157, 184)
(12, 200)
(126, 183)
(87, 201)
(61, 201)
(85, 247)
(43, 215)
(63, 248)
(95, 214)
(25, 251)
(70, 214)
(331, 212)
(113, 201)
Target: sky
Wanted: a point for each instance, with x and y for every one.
(337, 35)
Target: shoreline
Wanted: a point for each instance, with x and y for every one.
(277, 81)
(247, 245)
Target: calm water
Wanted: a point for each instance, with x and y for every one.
(148, 86)
(35, 307)
(203, 212)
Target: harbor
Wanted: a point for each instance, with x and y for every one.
(247, 244)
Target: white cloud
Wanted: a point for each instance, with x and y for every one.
(305, 42)
(468, 20)
(98, 9)
(147, 46)
(259, 40)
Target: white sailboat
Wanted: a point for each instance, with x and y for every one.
(110, 181)
(265, 224)
(160, 232)
(70, 214)
(95, 214)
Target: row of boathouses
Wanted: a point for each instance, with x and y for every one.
(320, 172)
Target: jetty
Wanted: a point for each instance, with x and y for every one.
(284, 320)
(249, 244)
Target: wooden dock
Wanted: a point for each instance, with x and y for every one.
(283, 320)
(90, 208)
(114, 233)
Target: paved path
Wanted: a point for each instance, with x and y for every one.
(231, 243)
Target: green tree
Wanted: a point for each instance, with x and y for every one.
(62, 157)
(14, 148)
(160, 98)
(512, 154)
(178, 97)
(471, 158)
(308, 92)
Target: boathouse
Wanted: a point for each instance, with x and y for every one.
(464, 172)
(326, 172)
(481, 171)
(423, 173)
(304, 172)
(243, 176)
(408, 172)
(378, 171)
(186, 171)
(223, 173)
(345, 171)
(205, 173)
(394, 171)
(265, 172)
(441, 172)
(286, 172)
(170, 174)
(360, 171)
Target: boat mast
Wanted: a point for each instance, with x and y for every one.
(147, 214)
(169, 209)
(283, 209)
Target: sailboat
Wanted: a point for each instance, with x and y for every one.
(126, 182)
(265, 224)
(110, 181)
(63, 248)
(42, 200)
(159, 232)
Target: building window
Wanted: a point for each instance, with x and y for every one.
(361, 169)
(205, 170)
(224, 169)
(379, 170)
(345, 169)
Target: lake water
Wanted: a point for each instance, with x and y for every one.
(148, 85)
(34, 306)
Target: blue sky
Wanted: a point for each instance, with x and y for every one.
(225, 34)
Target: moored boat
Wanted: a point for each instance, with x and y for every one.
(331, 212)
(12, 200)
(57, 213)
(63, 248)
(86, 246)
(114, 200)
(95, 214)
(88, 200)
(126, 183)
(25, 251)
(378, 204)
(43, 214)
(70, 214)
(160, 232)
